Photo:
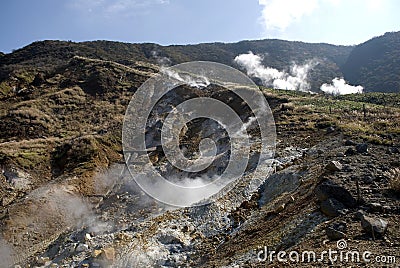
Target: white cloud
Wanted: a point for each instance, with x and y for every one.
(378, 5)
(296, 79)
(374, 5)
(340, 87)
(334, 2)
(279, 14)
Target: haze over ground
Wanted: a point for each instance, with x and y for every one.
(183, 22)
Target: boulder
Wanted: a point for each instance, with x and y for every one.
(82, 247)
(349, 143)
(334, 234)
(375, 207)
(330, 130)
(336, 231)
(340, 154)
(19, 179)
(373, 226)
(359, 214)
(332, 207)
(284, 181)
(334, 166)
(362, 148)
(350, 151)
(393, 150)
(329, 189)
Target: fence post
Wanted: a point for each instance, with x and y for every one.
(364, 111)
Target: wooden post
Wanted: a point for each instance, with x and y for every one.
(373, 233)
(364, 111)
(358, 191)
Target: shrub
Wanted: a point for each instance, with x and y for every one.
(394, 179)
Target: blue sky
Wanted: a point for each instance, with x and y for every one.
(194, 21)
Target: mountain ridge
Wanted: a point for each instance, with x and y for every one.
(376, 63)
(48, 55)
(362, 64)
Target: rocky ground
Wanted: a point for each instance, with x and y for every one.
(68, 201)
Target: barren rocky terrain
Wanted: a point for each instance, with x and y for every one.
(67, 199)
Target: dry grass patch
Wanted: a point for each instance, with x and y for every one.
(394, 179)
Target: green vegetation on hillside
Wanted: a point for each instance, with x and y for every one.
(357, 115)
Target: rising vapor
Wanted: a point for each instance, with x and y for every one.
(191, 80)
(340, 87)
(296, 79)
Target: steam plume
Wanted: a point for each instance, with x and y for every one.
(340, 87)
(161, 60)
(165, 62)
(193, 81)
(295, 80)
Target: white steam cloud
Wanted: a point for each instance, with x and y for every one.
(279, 14)
(161, 60)
(296, 79)
(340, 87)
(197, 81)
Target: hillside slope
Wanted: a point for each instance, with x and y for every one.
(375, 64)
(46, 56)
